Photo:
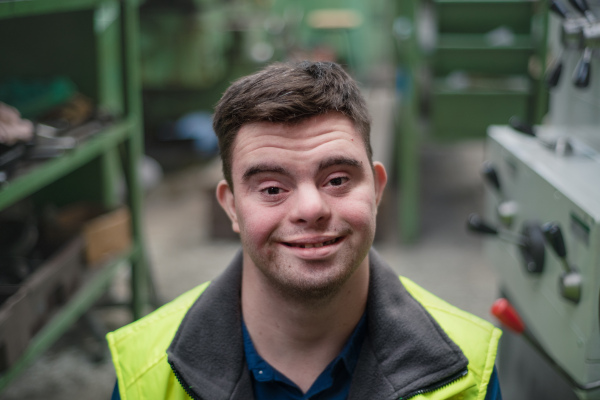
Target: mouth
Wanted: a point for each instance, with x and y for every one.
(313, 245)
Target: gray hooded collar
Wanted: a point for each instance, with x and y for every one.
(405, 349)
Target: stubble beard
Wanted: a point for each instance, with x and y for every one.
(289, 276)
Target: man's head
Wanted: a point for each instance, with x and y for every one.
(306, 189)
(290, 94)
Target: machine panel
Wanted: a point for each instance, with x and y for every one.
(546, 187)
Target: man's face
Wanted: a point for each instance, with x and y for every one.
(305, 202)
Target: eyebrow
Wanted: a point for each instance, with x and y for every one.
(276, 169)
(333, 161)
(262, 169)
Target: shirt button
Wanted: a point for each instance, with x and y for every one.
(260, 372)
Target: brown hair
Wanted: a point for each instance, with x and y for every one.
(288, 93)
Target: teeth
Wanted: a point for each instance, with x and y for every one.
(311, 245)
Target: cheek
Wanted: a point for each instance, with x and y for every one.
(359, 210)
(256, 223)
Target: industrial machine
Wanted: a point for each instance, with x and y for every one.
(543, 211)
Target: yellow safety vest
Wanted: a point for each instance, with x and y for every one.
(143, 372)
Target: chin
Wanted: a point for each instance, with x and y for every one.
(312, 280)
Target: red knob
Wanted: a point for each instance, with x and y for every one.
(506, 314)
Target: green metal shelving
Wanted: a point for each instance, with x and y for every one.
(496, 50)
(104, 35)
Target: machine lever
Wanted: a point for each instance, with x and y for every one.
(490, 175)
(582, 73)
(554, 237)
(530, 242)
(521, 126)
(559, 8)
(571, 281)
(505, 312)
(583, 7)
(476, 224)
(553, 74)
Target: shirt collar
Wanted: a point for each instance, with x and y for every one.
(262, 371)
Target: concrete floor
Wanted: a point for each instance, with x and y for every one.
(179, 212)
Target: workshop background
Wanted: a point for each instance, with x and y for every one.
(108, 167)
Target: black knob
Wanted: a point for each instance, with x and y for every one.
(559, 9)
(553, 74)
(490, 175)
(476, 224)
(521, 126)
(554, 237)
(582, 73)
(533, 247)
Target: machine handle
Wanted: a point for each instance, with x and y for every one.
(476, 224)
(554, 236)
(582, 73)
(504, 311)
(583, 7)
(521, 126)
(559, 8)
(553, 74)
(490, 175)
(580, 5)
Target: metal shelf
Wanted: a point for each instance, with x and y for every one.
(95, 285)
(109, 69)
(47, 172)
(22, 8)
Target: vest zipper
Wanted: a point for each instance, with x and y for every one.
(184, 385)
(438, 385)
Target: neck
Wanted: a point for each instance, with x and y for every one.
(297, 337)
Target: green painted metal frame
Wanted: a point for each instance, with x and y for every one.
(476, 16)
(411, 58)
(39, 176)
(81, 301)
(19, 8)
(408, 134)
(122, 140)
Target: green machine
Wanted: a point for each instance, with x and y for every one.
(543, 204)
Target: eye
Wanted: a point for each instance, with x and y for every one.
(272, 194)
(272, 190)
(340, 180)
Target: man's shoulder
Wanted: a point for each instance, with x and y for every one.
(476, 337)
(442, 310)
(168, 316)
(141, 345)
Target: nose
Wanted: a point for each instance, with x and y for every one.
(310, 206)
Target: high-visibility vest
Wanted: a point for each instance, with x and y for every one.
(143, 372)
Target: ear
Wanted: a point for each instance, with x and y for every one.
(227, 201)
(380, 176)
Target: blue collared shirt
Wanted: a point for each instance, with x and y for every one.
(332, 384)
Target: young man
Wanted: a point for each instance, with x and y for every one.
(306, 310)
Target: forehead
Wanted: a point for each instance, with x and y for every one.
(332, 132)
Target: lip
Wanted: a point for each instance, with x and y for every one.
(305, 247)
(312, 241)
